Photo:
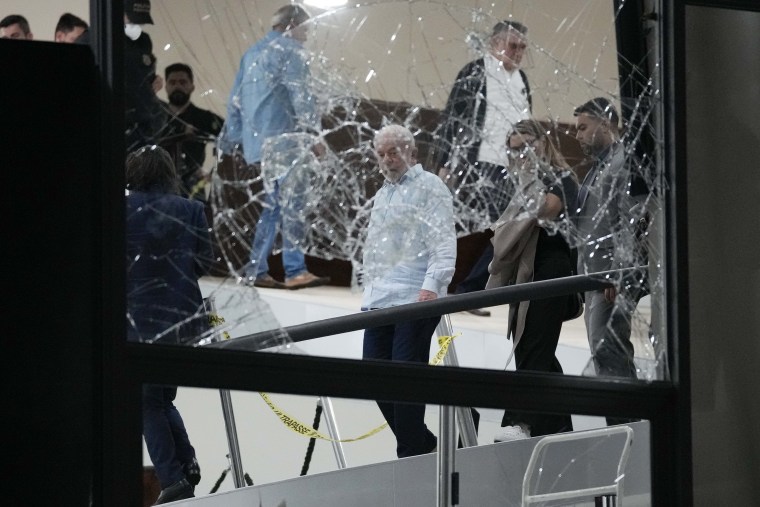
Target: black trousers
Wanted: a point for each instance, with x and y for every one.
(406, 342)
(536, 350)
(493, 197)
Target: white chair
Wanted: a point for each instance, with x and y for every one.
(602, 441)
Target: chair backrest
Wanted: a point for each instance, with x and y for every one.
(577, 465)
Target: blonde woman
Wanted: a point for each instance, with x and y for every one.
(537, 222)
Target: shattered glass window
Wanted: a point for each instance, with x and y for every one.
(543, 126)
(431, 66)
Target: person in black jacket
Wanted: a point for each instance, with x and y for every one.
(187, 129)
(143, 111)
(168, 249)
(489, 96)
(547, 201)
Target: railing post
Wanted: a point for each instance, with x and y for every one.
(467, 430)
(447, 478)
(236, 464)
(332, 429)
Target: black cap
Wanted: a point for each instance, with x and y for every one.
(600, 108)
(138, 11)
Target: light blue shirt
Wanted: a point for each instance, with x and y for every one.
(411, 241)
(270, 96)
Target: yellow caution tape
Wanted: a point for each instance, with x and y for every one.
(197, 188)
(306, 430)
(218, 320)
(444, 342)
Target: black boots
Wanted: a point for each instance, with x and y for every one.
(192, 471)
(177, 491)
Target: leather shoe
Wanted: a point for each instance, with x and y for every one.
(177, 491)
(306, 279)
(479, 312)
(267, 282)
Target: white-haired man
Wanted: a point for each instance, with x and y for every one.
(409, 256)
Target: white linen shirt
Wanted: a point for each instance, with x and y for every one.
(411, 241)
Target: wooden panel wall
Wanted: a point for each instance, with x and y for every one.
(233, 248)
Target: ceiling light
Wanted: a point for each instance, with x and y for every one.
(325, 4)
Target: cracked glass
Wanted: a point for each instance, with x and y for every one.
(537, 119)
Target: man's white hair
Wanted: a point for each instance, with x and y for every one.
(396, 133)
(289, 15)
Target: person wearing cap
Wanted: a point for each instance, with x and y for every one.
(143, 110)
(603, 224)
(271, 99)
(489, 96)
(15, 26)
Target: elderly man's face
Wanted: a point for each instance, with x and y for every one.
(593, 133)
(509, 48)
(394, 157)
(14, 32)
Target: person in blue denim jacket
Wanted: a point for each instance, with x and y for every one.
(271, 97)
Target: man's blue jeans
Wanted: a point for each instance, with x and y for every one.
(405, 341)
(272, 216)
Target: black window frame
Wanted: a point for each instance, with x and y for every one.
(123, 367)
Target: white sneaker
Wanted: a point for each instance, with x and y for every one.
(511, 433)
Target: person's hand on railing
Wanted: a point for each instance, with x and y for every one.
(426, 295)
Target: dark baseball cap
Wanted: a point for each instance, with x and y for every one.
(600, 108)
(138, 11)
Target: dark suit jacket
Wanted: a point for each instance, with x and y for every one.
(465, 114)
(168, 249)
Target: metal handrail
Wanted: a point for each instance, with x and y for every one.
(456, 303)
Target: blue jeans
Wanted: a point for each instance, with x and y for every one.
(272, 216)
(410, 342)
(165, 435)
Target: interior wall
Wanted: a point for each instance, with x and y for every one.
(723, 149)
(573, 55)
